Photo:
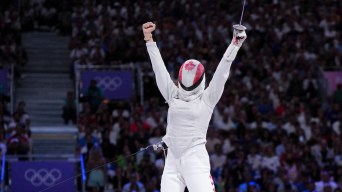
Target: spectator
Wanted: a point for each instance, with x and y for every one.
(79, 52)
(138, 125)
(265, 107)
(23, 115)
(310, 87)
(218, 159)
(146, 168)
(222, 118)
(120, 111)
(18, 143)
(324, 182)
(254, 159)
(269, 160)
(155, 119)
(332, 111)
(97, 55)
(88, 141)
(249, 184)
(18, 123)
(117, 128)
(69, 108)
(295, 89)
(134, 184)
(212, 140)
(94, 95)
(322, 152)
(96, 179)
(83, 60)
(284, 184)
(337, 95)
(109, 150)
(118, 180)
(153, 185)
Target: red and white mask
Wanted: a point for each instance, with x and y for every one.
(191, 80)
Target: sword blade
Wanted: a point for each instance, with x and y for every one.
(243, 9)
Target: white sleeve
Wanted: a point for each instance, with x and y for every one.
(215, 89)
(164, 82)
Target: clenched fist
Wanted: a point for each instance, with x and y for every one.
(239, 37)
(148, 28)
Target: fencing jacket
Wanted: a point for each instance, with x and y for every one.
(187, 121)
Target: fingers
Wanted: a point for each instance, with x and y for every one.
(241, 35)
(148, 25)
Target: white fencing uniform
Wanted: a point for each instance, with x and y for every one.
(187, 162)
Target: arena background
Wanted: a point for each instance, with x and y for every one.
(77, 91)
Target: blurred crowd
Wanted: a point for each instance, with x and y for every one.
(11, 51)
(274, 129)
(15, 131)
(15, 126)
(46, 15)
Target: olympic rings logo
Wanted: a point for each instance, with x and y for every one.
(43, 177)
(108, 83)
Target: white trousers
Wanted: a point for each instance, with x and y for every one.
(192, 170)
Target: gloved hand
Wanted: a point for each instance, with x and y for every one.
(239, 36)
(155, 147)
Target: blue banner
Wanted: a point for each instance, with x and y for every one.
(38, 176)
(4, 82)
(114, 84)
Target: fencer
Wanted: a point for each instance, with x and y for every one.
(190, 109)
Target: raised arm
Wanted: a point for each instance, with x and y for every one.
(215, 89)
(164, 81)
